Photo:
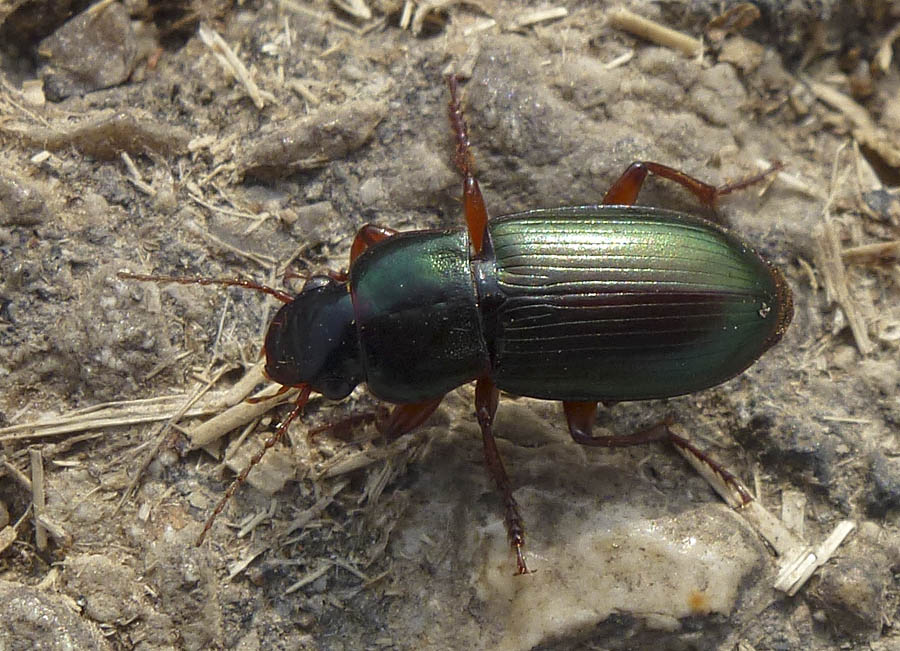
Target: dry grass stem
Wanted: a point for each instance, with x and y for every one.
(236, 568)
(230, 62)
(834, 278)
(619, 61)
(135, 179)
(302, 89)
(308, 515)
(130, 413)
(794, 575)
(528, 18)
(160, 436)
(799, 560)
(356, 8)
(654, 32)
(864, 128)
(242, 388)
(238, 415)
(347, 460)
(38, 498)
(309, 578)
(297, 8)
(831, 265)
(878, 253)
(406, 14)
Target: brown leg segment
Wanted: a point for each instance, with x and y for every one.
(368, 235)
(476, 213)
(406, 418)
(580, 417)
(486, 398)
(625, 190)
(390, 424)
(342, 429)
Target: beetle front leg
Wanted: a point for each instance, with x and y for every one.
(486, 398)
(366, 236)
(580, 417)
(392, 424)
(342, 429)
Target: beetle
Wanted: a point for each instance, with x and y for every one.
(580, 304)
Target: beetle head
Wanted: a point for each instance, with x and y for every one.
(312, 341)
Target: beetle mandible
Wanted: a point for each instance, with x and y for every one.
(581, 304)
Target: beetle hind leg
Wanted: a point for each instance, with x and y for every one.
(581, 415)
(626, 188)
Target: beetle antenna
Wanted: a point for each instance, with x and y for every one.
(284, 297)
(299, 404)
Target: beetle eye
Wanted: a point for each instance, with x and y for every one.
(317, 281)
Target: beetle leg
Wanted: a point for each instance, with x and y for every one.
(716, 467)
(625, 190)
(580, 417)
(284, 388)
(473, 201)
(486, 398)
(405, 418)
(390, 424)
(342, 429)
(366, 236)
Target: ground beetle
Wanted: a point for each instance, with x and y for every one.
(582, 304)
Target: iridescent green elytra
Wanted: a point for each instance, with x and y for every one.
(580, 303)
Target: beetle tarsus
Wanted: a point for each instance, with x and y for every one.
(746, 182)
(726, 476)
(521, 568)
(258, 399)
